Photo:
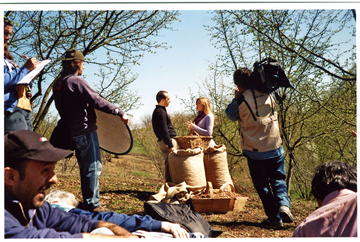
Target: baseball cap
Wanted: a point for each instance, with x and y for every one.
(73, 54)
(29, 145)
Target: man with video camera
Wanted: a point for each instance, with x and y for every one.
(262, 145)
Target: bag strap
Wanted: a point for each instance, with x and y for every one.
(257, 111)
(247, 104)
(252, 113)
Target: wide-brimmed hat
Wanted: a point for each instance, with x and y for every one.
(28, 145)
(73, 54)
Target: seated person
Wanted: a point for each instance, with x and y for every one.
(30, 160)
(29, 166)
(335, 187)
(203, 123)
(67, 202)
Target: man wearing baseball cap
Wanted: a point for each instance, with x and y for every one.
(76, 102)
(29, 171)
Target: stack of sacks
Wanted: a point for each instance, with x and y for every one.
(198, 166)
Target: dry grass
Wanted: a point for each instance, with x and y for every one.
(128, 181)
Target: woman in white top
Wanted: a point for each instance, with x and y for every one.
(203, 124)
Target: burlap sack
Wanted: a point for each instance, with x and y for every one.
(216, 166)
(187, 166)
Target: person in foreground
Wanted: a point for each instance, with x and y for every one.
(29, 171)
(335, 187)
(203, 123)
(67, 202)
(262, 146)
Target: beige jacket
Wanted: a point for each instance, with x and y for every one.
(261, 134)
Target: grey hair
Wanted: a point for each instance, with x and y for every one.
(61, 196)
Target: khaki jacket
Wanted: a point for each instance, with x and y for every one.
(262, 134)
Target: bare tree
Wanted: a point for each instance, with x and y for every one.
(122, 36)
(320, 65)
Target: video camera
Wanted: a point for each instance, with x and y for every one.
(268, 76)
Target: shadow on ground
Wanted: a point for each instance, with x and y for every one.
(251, 224)
(141, 195)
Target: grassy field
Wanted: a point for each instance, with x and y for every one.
(128, 181)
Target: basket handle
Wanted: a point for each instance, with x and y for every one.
(194, 132)
(209, 189)
(227, 184)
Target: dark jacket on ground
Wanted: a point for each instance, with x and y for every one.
(46, 222)
(162, 126)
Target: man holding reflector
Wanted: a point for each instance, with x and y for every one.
(76, 102)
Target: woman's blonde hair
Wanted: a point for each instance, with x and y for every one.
(206, 104)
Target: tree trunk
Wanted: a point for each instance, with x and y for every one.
(289, 173)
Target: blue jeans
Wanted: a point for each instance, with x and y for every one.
(268, 177)
(89, 159)
(19, 119)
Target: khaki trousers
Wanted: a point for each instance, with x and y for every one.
(165, 151)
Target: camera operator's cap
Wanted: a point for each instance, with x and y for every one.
(28, 145)
(73, 54)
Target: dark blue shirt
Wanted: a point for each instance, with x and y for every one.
(44, 222)
(131, 223)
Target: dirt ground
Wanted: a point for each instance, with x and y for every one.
(128, 181)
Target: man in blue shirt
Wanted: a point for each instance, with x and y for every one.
(29, 171)
(67, 202)
(17, 104)
(262, 146)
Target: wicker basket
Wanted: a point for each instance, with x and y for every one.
(218, 200)
(193, 141)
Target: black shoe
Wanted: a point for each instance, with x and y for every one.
(270, 223)
(85, 206)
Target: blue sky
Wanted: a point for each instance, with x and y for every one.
(186, 63)
(179, 68)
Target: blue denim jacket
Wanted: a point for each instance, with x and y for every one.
(12, 76)
(232, 110)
